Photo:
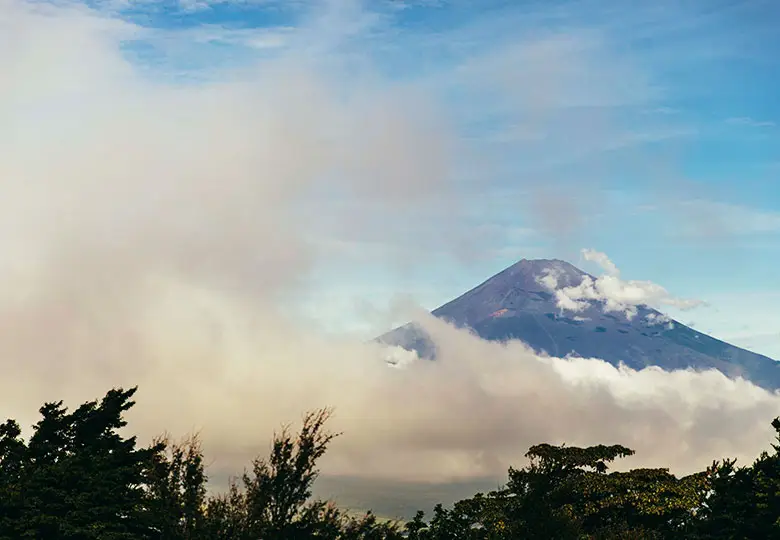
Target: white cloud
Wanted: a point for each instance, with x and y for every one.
(616, 294)
(602, 260)
(549, 279)
(660, 318)
(501, 380)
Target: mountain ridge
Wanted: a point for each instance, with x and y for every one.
(516, 303)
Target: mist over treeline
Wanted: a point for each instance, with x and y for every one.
(171, 232)
(78, 476)
(171, 221)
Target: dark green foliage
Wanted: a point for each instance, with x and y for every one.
(273, 500)
(176, 487)
(12, 458)
(567, 492)
(78, 478)
(744, 502)
(270, 502)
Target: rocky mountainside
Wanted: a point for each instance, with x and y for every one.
(515, 304)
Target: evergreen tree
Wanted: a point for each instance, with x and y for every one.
(77, 477)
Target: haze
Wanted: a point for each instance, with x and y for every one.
(222, 211)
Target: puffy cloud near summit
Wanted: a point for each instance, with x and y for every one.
(616, 294)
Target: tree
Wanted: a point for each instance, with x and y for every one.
(743, 502)
(274, 500)
(12, 462)
(270, 501)
(76, 477)
(566, 492)
(177, 489)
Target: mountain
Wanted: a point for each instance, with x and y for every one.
(513, 304)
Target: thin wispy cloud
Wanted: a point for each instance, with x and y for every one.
(663, 110)
(720, 219)
(750, 122)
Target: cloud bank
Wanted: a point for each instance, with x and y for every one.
(155, 234)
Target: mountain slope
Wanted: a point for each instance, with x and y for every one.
(513, 304)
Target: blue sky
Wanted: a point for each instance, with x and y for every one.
(651, 133)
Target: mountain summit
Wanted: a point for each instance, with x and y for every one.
(520, 303)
